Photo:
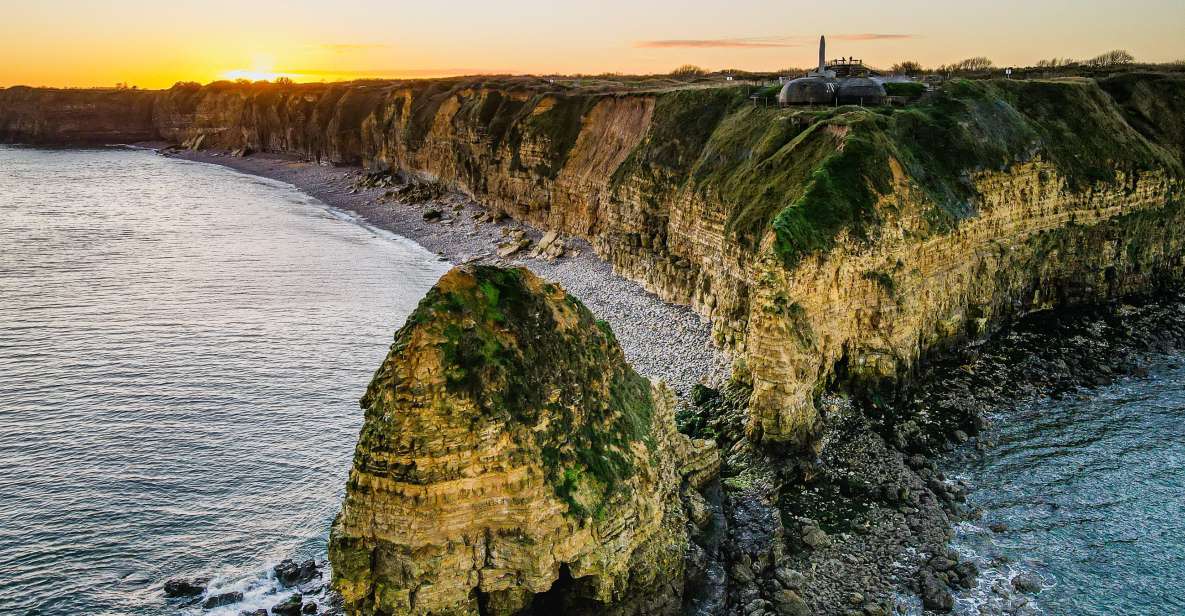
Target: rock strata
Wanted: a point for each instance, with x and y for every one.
(511, 461)
(828, 246)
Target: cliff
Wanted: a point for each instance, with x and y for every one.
(512, 462)
(85, 117)
(829, 246)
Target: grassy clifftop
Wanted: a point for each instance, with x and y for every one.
(808, 174)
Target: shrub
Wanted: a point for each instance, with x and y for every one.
(689, 70)
(908, 89)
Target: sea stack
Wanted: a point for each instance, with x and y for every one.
(511, 461)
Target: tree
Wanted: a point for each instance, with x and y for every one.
(1114, 57)
(908, 67)
(688, 70)
(283, 81)
(1056, 62)
(978, 63)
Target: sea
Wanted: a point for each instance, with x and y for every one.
(1084, 496)
(182, 350)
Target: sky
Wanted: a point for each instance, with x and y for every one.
(153, 44)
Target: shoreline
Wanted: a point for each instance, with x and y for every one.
(661, 341)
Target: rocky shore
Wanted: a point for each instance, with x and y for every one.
(662, 341)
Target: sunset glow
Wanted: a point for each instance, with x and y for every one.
(153, 45)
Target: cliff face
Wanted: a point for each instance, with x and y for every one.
(826, 244)
(512, 462)
(41, 116)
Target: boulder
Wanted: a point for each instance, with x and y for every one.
(289, 573)
(934, 593)
(814, 537)
(288, 607)
(789, 603)
(219, 600)
(1026, 582)
(186, 587)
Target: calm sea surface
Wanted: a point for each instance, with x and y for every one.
(182, 348)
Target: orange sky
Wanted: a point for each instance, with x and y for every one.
(153, 44)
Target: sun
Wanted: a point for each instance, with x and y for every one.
(255, 75)
(263, 69)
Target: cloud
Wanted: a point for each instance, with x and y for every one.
(763, 42)
(394, 73)
(352, 47)
(724, 43)
(867, 36)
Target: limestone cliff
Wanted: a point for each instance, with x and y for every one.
(829, 246)
(512, 462)
(87, 117)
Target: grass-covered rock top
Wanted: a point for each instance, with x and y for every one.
(520, 355)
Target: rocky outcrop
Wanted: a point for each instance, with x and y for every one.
(512, 462)
(830, 247)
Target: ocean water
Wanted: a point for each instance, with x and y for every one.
(182, 348)
(1092, 491)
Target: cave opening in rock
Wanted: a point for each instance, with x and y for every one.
(567, 595)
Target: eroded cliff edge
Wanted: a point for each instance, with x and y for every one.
(511, 462)
(829, 246)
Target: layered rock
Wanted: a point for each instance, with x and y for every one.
(512, 462)
(87, 117)
(828, 246)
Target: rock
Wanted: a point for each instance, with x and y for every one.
(967, 572)
(259, 612)
(186, 587)
(550, 247)
(998, 527)
(309, 608)
(702, 394)
(698, 509)
(226, 598)
(1026, 582)
(433, 215)
(288, 573)
(814, 537)
(934, 593)
(789, 603)
(741, 573)
(507, 249)
(506, 419)
(789, 578)
(856, 598)
(288, 607)
(940, 563)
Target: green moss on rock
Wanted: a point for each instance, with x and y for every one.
(520, 350)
